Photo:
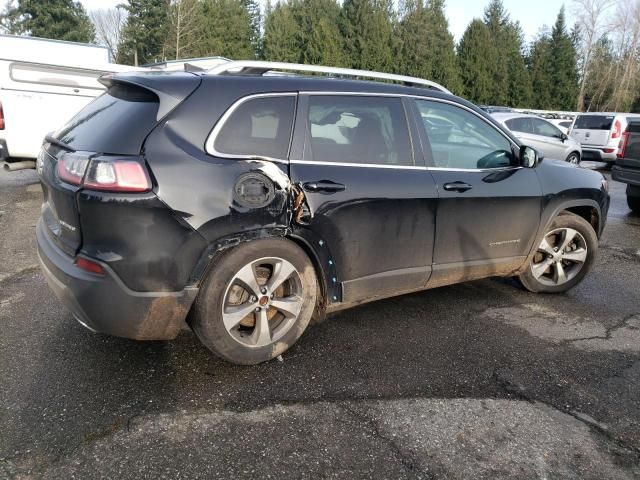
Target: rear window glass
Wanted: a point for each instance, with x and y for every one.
(260, 126)
(117, 122)
(594, 122)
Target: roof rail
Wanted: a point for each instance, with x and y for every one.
(256, 67)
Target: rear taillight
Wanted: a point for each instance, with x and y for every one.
(617, 129)
(622, 146)
(111, 175)
(1, 117)
(71, 167)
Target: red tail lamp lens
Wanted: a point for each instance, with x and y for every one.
(71, 167)
(117, 176)
(89, 266)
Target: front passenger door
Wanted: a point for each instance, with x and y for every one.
(488, 205)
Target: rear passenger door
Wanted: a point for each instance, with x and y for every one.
(489, 206)
(370, 198)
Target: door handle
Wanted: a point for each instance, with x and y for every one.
(459, 187)
(323, 186)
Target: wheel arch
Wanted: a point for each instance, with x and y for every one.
(587, 209)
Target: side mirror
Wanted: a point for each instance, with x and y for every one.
(563, 137)
(528, 157)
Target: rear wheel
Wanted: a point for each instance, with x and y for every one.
(634, 203)
(574, 158)
(256, 301)
(564, 256)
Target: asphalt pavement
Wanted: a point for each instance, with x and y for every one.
(478, 380)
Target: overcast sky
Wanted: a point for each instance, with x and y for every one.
(531, 14)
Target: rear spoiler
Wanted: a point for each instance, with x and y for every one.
(170, 88)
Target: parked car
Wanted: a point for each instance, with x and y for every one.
(542, 135)
(246, 203)
(43, 84)
(599, 134)
(627, 167)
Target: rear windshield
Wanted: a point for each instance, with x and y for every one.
(594, 122)
(116, 122)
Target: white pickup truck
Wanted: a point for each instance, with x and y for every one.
(43, 83)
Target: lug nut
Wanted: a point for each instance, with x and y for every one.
(263, 290)
(258, 309)
(253, 299)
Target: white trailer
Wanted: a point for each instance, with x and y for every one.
(43, 83)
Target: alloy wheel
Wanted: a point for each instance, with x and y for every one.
(560, 257)
(574, 159)
(262, 302)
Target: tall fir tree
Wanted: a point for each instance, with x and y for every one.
(520, 90)
(55, 19)
(320, 39)
(145, 33)
(541, 69)
(497, 21)
(425, 47)
(281, 41)
(367, 29)
(226, 30)
(565, 73)
(476, 54)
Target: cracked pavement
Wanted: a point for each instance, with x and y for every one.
(479, 380)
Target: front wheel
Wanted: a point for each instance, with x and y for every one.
(564, 256)
(634, 203)
(256, 301)
(573, 158)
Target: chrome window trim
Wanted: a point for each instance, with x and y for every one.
(211, 139)
(360, 165)
(210, 142)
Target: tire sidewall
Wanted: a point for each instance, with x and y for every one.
(207, 320)
(573, 154)
(564, 220)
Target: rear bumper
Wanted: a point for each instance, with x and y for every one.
(630, 176)
(597, 154)
(104, 304)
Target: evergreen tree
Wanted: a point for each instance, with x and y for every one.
(565, 72)
(425, 47)
(226, 30)
(56, 19)
(320, 39)
(367, 28)
(281, 41)
(541, 68)
(145, 33)
(253, 9)
(476, 54)
(519, 87)
(497, 21)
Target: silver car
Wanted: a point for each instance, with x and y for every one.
(542, 135)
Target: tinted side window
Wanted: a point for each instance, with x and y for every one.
(259, 126)
(460, 139)
(358, 129)
(521, 124)
(545, 129)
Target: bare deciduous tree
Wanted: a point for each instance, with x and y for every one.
(590, 16)
(108, 23)
(184, 16)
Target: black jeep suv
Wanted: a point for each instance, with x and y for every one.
(244, 203)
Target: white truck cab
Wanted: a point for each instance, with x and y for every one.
(43, 83)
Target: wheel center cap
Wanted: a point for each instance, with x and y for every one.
(263, 301)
